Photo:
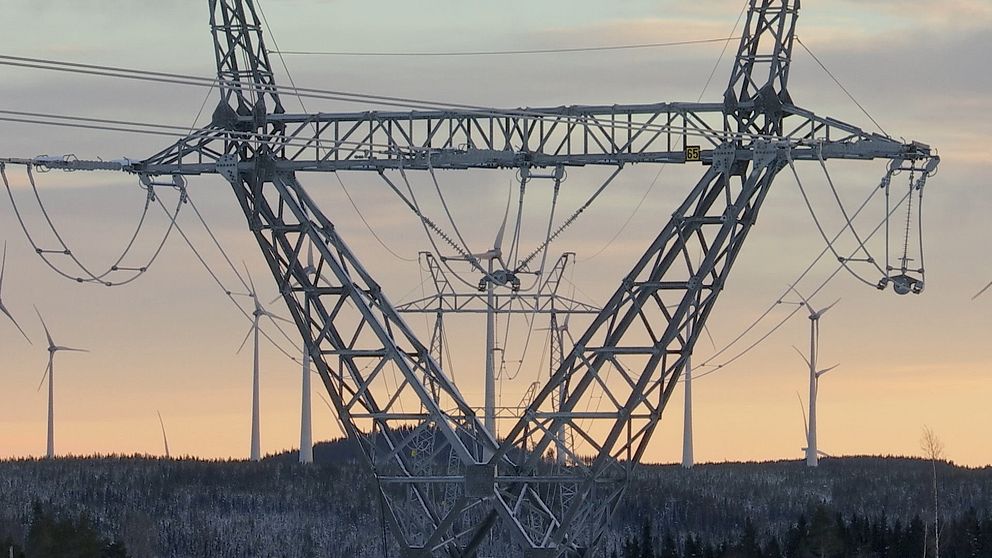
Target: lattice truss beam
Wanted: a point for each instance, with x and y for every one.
(448, 487)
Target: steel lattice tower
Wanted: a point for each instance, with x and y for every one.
(449, 487)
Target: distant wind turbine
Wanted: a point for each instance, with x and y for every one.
(165, 438)
(688, 460)
(3, 309)
(257, 315)
(50, 374)
(306, 415)
(688, 457)
(812, 452)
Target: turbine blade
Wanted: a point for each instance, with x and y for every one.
(498, 244)
(310, 254)
(47, 334)
(801, 355)
(165, 438)
(274, 317)
(17, 325)
(247, 335)
(250, 282)
(983, 291)
(571, 340)
(802, 407)
(3, 266)
(45, 375)
(827, 309)
(71, 350)
(824, 371)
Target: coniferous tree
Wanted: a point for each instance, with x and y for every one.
(823, 540)
(668, 548)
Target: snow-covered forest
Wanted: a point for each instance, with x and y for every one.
(181, 508)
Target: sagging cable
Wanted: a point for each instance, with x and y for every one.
(90, 276)
(819, 227)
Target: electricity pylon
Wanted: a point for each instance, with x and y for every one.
(494, 300)
(388, 390)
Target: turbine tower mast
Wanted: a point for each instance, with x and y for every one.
(390, 393)
(688, 459)
(306, 415)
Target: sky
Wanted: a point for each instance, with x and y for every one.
(168, 342)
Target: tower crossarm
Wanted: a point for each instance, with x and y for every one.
(673, 133)
(503, 303)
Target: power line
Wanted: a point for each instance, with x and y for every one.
(227, 292)
(723, 52)
(841, 85)
(819, 227)
(336, 95)
(368, 225)
(718, 367)
(453, 53)
(654, 182)
(91, 277)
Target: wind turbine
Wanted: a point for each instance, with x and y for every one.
(306, 424)
(489, 284)
(50, 374)
(257, 315)
(812, 452)
(3, 309)
(688, 459)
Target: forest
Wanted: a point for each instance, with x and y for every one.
(146, 507)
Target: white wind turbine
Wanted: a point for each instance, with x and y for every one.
(3, 309)
(50, 374)
(495, 254)
(688, 459)
(306, 416)
(811, 449)
(257, 315)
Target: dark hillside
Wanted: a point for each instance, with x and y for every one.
(178, 508)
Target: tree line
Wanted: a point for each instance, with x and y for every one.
(824, 533)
